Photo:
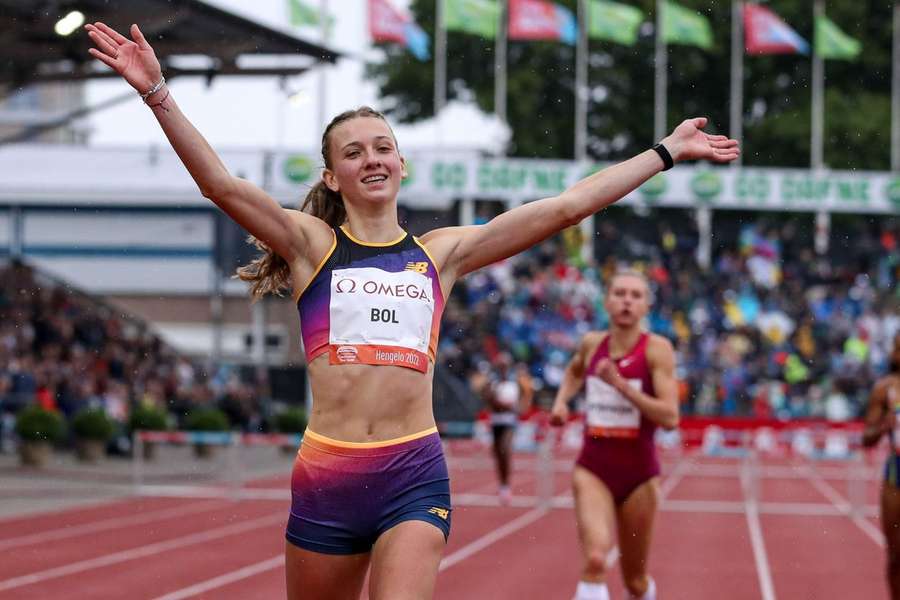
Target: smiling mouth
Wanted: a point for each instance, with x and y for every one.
(374, 179)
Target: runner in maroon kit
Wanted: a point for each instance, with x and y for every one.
(630, 390)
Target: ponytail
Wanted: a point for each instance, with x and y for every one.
(269, 273)
(325, 204)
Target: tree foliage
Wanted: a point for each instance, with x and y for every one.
(777, 91)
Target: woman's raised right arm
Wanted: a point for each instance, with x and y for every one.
(285, 231)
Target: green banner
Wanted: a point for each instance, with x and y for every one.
(437, 179)
(833, 43)
(685, 26)
(472, 16)
(614, 22)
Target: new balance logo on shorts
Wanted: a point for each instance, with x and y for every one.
(441, 512)
(418, 267)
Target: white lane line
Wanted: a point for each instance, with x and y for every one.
(773, 472)
(223, 580)
(211, 492)
(140, 552)
(106, 524)
(756, 538)
(493, 536)
(844, 506)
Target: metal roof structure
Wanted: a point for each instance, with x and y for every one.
(32, 52)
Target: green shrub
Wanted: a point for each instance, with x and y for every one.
(148, 417)
(92, 424)
(291, 420)
(206, 419)
(36, 424)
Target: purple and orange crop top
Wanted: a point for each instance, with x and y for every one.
(375, 304)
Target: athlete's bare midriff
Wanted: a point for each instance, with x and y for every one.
(369, 403)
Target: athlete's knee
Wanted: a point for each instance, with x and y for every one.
(595, 561)
(637, 584)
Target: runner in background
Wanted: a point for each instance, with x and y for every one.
(507, 396)
(881, 419)
(630, 390)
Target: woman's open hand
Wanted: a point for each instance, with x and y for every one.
(690, 142)
(133, 59)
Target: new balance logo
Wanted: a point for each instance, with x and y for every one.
(441, 512)
(418, 267)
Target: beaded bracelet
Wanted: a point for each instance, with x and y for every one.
(154, 89)
(160, 103)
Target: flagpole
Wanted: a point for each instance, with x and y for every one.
(895, 93)
(581, 82)
(588, 226)
(322, 115)
(737, 73)
(818, 95)
(500, 62)
(817, 162)
(440, 58)
(661, 78)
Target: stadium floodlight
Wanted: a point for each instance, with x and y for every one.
(69, 23)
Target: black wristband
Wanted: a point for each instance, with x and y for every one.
(668, 163)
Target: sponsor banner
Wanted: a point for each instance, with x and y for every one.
(439, 180)
(811, 438)
(437, 177)
(271, 439)
(346, 354)
(218, 438)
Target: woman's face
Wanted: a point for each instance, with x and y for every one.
(627, 300)
(365, 163)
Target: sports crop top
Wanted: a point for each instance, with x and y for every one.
(373, 303)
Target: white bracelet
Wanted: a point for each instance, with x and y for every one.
(154, 89)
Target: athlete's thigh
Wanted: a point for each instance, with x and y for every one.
(890, 516)
(502, 437)
(594, 510)
(405, 562)
(635, 518)
(316, 576)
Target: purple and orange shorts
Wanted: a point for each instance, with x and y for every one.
(345, 495)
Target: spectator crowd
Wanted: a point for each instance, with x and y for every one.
(769, 328)
(66, 351)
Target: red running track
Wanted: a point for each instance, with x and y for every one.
(774, 530)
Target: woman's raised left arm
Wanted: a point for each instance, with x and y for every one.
(468, 248)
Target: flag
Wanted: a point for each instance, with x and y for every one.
(472, 16)
(302, 15)
(541, 20)
(387, 24)
(766, 33)
(417, 41)
(685, 26)
(831, 42)
(614, 22)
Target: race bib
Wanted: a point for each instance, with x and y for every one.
(380, 318)
(609, 413)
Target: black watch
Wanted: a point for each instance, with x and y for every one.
(668, 163)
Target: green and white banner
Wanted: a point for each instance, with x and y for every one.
(435, 180)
